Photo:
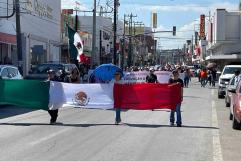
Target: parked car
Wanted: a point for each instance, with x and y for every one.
(235, 110)
(40, 71)
(226, 75)
(229, 95)
(9, 72)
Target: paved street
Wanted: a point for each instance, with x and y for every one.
(90, 135)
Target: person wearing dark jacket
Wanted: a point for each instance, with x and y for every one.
(151, 78)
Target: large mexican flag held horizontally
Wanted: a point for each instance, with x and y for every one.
(54, 95)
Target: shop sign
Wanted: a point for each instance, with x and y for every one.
(40, 8)
(202, 27)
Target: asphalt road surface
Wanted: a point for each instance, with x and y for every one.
(90, 135)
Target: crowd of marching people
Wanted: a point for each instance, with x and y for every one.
(204, 76)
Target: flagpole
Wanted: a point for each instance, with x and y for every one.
(69, 61)
(76, 30)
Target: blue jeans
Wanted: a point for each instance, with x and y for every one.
(179, 116)
(186, 81)
(118, 115)
(203, 82)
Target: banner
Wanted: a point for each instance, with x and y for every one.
(81, 95)
(25, 93)
(163, 76)
(140, 77)
(135, 77)
(147, 96)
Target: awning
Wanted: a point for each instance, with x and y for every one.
(223, 57)
(7, 38)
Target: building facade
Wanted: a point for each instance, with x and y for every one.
(224, 45)
(40, 28)
(104, 37)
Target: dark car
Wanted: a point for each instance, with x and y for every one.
(40, 71)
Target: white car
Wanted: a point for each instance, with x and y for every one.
(226, 75)
(9, 72)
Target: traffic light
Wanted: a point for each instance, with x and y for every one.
(174, 30)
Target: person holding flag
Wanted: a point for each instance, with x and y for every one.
(117, 79)
(176, 79)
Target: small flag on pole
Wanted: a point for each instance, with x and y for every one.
(77, 3)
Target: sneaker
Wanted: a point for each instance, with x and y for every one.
(52, 122)
(117, 122)
(179, 125)
(171, 124)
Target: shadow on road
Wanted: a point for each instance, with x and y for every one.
(8, 111)
(123, 124)
(157, 126)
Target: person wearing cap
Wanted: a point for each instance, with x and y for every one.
(151, 78)
(53, 113)
(176, 79)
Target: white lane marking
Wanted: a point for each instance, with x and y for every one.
(49, 136)
(217, 151)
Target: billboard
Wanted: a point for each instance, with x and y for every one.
(154, 20)
(137, 30)
(202, 27)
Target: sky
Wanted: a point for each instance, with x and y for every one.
(184, 14)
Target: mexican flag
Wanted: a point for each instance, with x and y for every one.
(76, 46)
(54, 95)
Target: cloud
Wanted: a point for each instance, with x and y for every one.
(168, 41)
(189, 7)
(66, 4)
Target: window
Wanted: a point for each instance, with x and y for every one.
(5, 73)
(43, 68)
(231, 70)
(13, 72)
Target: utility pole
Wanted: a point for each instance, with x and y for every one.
(76, 20)
(123, 45)
(76, 62)
(115, 28)
(101, 47)
(130, 39)
(136, 42)
(94, 36)
(18, 31)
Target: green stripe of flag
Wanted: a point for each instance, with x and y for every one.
(72, 49)
(25, 93)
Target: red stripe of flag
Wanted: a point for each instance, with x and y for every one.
(147, 96)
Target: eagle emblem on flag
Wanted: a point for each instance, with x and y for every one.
(81, 98)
